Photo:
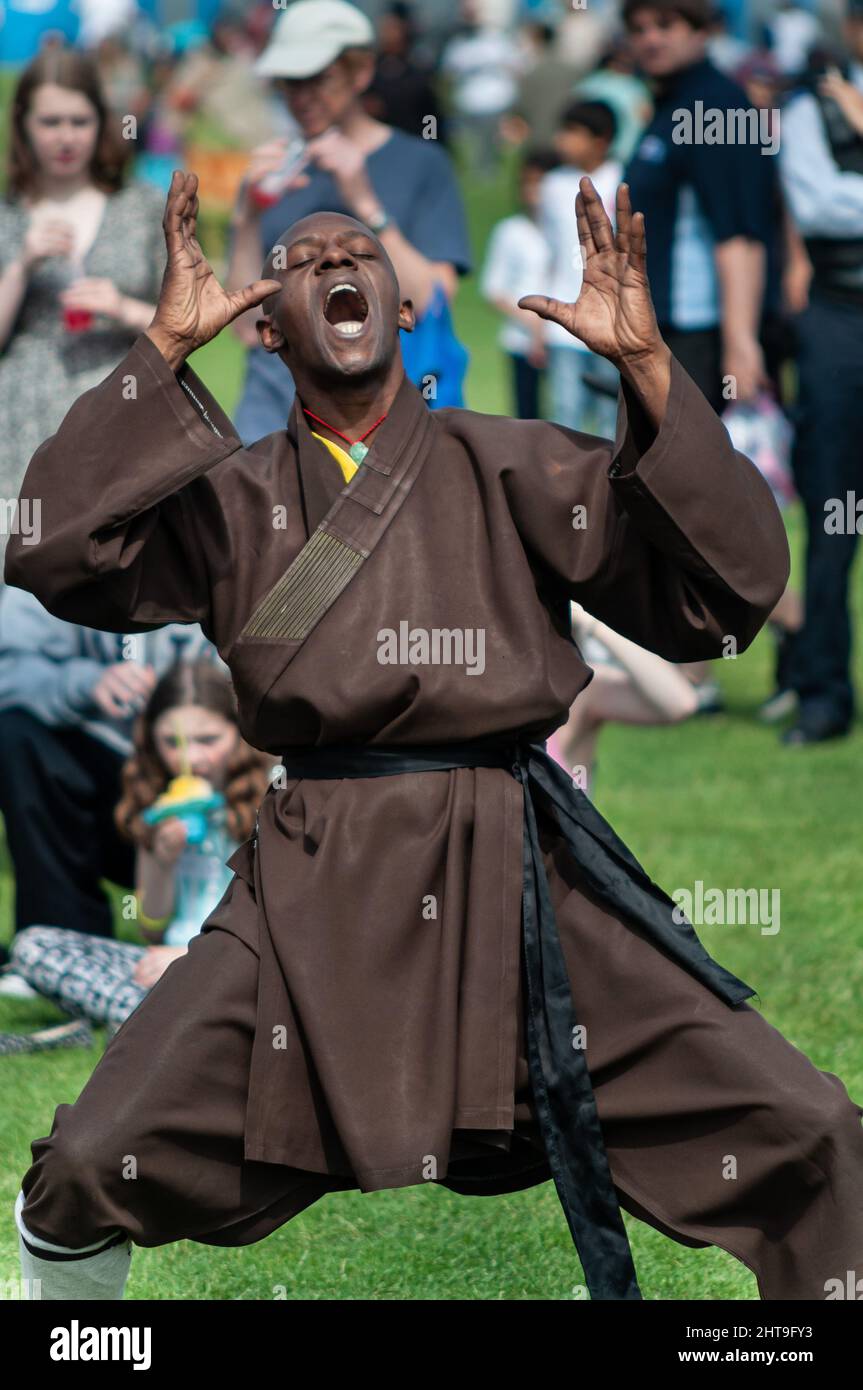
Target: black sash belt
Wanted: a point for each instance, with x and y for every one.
(563, 1091)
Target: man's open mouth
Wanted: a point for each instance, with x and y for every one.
(346, 309)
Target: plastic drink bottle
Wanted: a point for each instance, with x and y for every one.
(75, 320)
(267, 191)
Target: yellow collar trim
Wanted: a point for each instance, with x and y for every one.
(341, 456)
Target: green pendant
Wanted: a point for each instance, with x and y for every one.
(358, 451)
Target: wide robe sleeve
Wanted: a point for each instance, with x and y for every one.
(669, 536)
(121, 539)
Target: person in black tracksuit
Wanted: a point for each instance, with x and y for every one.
(821, 162)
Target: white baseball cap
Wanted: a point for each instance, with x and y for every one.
(310, 34)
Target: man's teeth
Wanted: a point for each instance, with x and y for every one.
(334, 289)
(348, 328)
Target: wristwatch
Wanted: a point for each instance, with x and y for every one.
(377, 223)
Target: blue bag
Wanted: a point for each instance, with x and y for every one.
(435, 361)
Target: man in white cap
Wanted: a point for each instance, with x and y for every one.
(321, 60)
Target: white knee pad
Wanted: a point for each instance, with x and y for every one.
(97, 1271)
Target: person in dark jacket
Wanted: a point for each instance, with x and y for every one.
(821, 163)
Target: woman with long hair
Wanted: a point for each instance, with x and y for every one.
(186, 740)
(81, 254)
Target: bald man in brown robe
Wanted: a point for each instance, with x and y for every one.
(436, 962)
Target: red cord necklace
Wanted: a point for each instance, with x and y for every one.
(357, 449)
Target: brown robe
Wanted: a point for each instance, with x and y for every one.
(388, 1039)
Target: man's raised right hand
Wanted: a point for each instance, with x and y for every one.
(192, 306)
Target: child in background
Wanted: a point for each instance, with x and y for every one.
(583, 385)
(629, 686)
(188, 730)
(516, 264)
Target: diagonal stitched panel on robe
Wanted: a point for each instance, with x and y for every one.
(387, 911)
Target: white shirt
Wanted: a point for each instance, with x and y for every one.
(557, 220)
(483, 66)
(793, 32)
(100, 19)
(824, 200)
(516, 263)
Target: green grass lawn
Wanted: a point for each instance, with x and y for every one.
(715, 800)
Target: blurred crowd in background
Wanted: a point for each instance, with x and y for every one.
(399, 116)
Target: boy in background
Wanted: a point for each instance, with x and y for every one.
(583, 386)
(517, 264)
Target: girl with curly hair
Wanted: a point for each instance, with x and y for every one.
(189, 726)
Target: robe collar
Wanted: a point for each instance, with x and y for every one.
(321, 479)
